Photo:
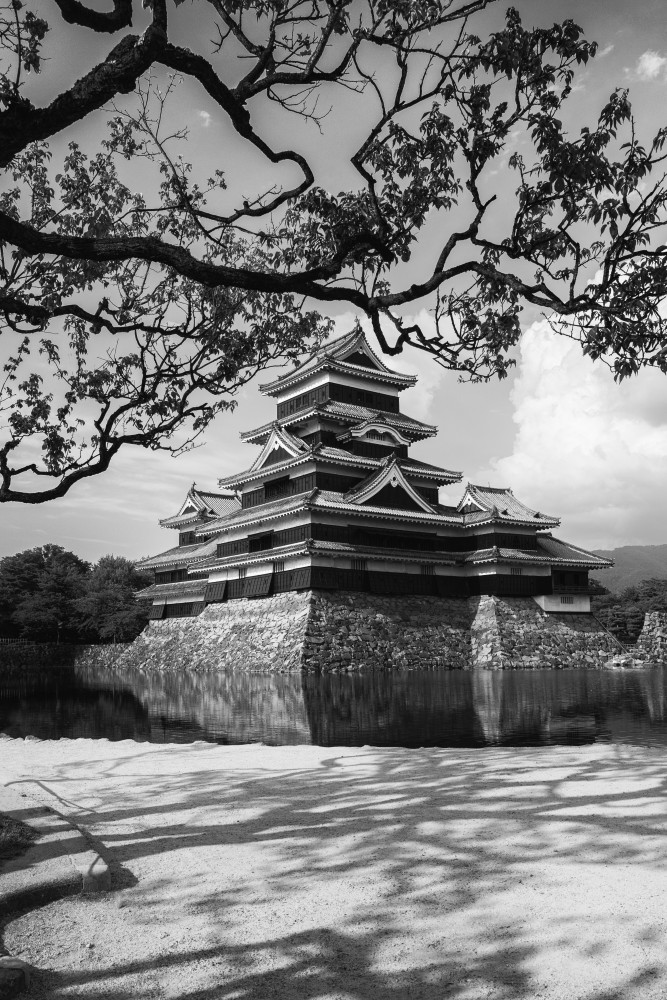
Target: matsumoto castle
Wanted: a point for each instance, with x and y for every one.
(334, 501)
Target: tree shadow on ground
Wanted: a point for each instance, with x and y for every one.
(374, 874)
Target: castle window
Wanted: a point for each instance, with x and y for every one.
(360, 565)
(427, 569)
(242, 572)
(567, 600)
(279, 566)
(516, 571)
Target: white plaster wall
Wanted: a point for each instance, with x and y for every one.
(581, 603)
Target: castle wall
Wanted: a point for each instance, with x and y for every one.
(652, 641)
(514, 632)
(337, 630)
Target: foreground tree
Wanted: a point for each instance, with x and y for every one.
(133, 319)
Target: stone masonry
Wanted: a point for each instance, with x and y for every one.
(652, 642)
(335, 630)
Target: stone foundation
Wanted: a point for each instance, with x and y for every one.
(652, 641)
(321, 631)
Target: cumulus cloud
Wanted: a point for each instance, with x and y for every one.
(650, 65)
(587, 449)
(205, 118)
(607, 50)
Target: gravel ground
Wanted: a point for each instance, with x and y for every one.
(309, 873)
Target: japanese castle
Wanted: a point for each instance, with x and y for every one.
(334, 501)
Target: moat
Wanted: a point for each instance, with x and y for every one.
(430, 708)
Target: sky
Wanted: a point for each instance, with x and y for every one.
(559, 431)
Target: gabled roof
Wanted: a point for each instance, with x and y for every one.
(333, 357)
(501, 505)
(200, 505)
(389, 474)
(329, 454)
(349, 415)
(279, 439)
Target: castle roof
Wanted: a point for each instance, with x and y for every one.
(350, 415)
(389, 474)
(482, 503)
(334, 456)
(189, 589)
(180, 556)
(199, 505)
(350, 354)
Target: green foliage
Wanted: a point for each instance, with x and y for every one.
(50, 595)
(624, 614)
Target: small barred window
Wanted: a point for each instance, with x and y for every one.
(567, 600)
(428, 569)
(516, 571)
(243, 570)
(279, 566)
(359, 564)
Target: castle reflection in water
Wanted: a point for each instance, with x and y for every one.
(411, 709)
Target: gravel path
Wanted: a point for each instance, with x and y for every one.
(309, 873)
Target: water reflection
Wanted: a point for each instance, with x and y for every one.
(411, 708)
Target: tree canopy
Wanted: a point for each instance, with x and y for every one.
(48, 594)
(141, 287)
(623, 614)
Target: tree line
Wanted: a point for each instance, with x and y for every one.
(623, 614)
(48, 594)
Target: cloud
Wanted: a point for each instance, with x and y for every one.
(650, 66)
(604, 52)
(205, 118)
(587, 449)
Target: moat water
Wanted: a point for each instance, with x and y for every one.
(430, 708)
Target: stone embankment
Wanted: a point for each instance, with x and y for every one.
(516, 633)
(325, 631)
(319, 631)
(354, 630)
(652, 642)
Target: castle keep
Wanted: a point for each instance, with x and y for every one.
(334, 501)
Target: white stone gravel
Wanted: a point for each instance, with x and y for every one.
(355, 874)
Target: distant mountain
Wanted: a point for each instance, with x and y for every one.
(632, 564)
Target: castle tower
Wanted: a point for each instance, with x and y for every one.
(335, 501)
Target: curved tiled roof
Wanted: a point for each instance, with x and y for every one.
(501, 505)
(262, 512)
(350, 414)
(205, 505)
(181, 555)
(186, 588)
(549, 551)
(329, 453)
(333, 356)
